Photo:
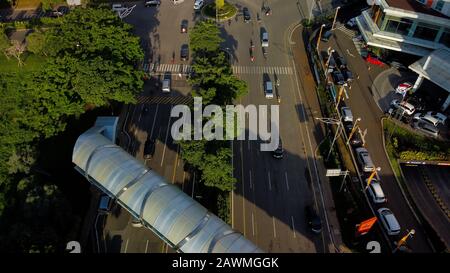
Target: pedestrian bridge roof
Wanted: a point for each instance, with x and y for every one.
(162, 207)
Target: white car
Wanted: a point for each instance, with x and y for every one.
(403, 88)
(439, 116)
(426, 118)
(346, 114)
(389, 221)
(364, 159)
(198, 4)
(407, 107)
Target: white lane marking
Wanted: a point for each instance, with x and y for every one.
(293, 226)
(167, 134)
(154, 120)
(126, 246)
(250, 179)
(253, 225)
(146, 246)
(287, 182)
(243, 187)
(270, 184)
(274, 230)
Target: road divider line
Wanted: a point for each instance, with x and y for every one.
(126, 246)
(146, 246)
(243, 186)
(250, 179)
(287, 182)
(253, 225)
(274, 229)
(293, 226)
(270, 184)
(167, 134)
(154, 120)
(175, 165)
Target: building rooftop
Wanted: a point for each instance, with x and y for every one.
(435, 67)
(414, 6)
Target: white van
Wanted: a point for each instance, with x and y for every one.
(265, 39)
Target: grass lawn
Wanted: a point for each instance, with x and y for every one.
(31, 63)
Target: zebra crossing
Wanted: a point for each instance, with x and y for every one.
(164, 100)
(279, 70)
(348, 32)
(186, 69)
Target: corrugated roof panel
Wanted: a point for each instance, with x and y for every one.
(174, 215)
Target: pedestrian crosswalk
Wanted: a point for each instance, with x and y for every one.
(279, 70)
(164, 100)
(348, 32)
(186, 69)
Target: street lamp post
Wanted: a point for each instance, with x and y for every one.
(335, 16)
(403, 240)
(330, 53)
(320, 36)
(372, 175)
(336, 135)
(355, 125)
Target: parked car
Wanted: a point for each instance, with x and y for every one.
(348, 75)
(184, 53)
(439, 116)
(331, 63)
(184, 26)
(152, 3)
(403, 88)
(426, 128)
(389, 221)
(351, 23)
(346, 114)
(246, 13)
(405, 107)
(313, 219)
(426, 118)
(104, 205)
(326, 36)
(198, 4)
(356, 139)
(338, 78)
(376, 192)
(278, 152)
(364, 160)
(340, 61)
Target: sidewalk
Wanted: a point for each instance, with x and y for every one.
(312, 109)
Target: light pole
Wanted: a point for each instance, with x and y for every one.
(335, 16)
(355, 125)
(320, 37)
(372, 175)
(330, 53)
(336, 135)
(403, 240)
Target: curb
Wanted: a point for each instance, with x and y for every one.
(401, 187)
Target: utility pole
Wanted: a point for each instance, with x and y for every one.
(404, 239)
(336, 135)
(320, 36)
(372, 175)
(335, 16)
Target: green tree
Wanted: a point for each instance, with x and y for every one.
(36, 43)
(4, 41)
(217, 170)
(204, 38)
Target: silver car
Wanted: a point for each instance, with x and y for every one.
(364, 159)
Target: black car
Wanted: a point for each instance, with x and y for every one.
(341, 63)
(184, 26)
(149, 148)
(247, 16)
(348, 75)
(313, 219)
(278, 152)
(152, 3)
(184, 54)
(338, 78)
